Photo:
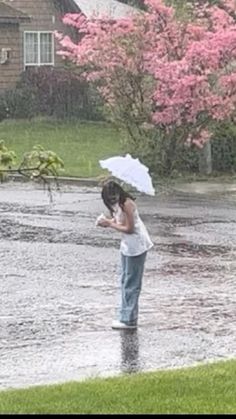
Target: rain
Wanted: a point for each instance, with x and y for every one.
(84, 82)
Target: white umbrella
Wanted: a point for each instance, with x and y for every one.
(131, 171)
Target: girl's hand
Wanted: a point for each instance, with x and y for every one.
(105, 222)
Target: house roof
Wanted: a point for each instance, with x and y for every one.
(10, 15)
(99, 8)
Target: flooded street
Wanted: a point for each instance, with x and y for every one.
(59, 284)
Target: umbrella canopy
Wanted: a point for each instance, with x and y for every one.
(131, 171)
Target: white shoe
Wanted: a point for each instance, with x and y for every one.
(119, 325)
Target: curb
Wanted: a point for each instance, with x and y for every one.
(185, 187)
(64, 180)
(89, 182)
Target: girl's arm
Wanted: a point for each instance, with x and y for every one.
(128, 226)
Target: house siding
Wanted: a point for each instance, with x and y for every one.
(9, 72)
(41, 12)
(43, 17)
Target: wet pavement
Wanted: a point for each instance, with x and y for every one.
(59, 284)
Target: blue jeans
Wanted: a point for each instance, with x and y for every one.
(132, 268)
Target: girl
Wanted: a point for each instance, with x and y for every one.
(134, 245)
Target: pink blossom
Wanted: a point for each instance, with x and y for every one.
(183, 72)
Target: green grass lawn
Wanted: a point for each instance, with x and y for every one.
(80, 145)
(209, 388)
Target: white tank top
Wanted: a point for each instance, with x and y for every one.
(136, 243)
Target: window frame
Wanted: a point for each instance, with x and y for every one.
(39, 63)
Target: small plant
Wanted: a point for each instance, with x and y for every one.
(37, 165)
(7, 159)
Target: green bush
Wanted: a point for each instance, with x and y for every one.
(62, 94)
(224, 148)
(3, 108)
(21, 103)
(171, 157)
(53, 92)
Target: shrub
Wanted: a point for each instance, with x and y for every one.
(61, 93)
(21, 103)
(3, 108)
(224, 148)
(53, 92)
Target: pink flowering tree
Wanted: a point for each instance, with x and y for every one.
(165, 80)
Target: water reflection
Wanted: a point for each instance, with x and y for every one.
(129, 351)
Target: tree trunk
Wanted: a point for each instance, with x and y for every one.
(205, 159)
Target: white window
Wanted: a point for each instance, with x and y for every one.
(38, 48)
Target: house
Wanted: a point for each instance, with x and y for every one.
(27, 27)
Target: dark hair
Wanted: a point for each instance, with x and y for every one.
(111, 189)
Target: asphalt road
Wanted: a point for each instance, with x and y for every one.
(59, 284)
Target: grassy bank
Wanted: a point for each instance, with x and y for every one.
(205, 389)
(80, 145)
